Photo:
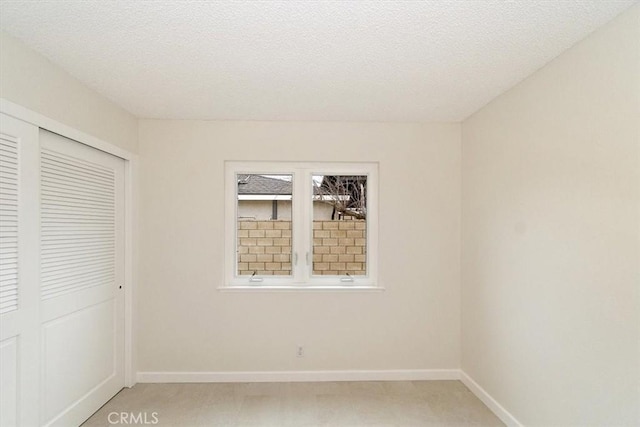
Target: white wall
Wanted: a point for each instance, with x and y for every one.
(186, 324)
(262, 210)
(30, 80)
(551, 257)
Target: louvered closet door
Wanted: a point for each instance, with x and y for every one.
(19, 300)
(81, 270)
(9, 185)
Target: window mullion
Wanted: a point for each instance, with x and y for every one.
(307, 223)
(300, 241)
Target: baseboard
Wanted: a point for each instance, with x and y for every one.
(504, 415)
(298, 376)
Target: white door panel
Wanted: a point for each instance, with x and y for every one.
(9, 375)
(64, 304)
(72, 370)
(19, 265)
(82, 270)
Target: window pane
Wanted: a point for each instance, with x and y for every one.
(264, 225)
(339, 225)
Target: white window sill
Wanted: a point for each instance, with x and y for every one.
(306, 288)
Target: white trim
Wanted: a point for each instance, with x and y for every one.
(131, 270)
(504, 415)
(29, 116)
(298, 376)
(271, 288)
(263, 197)
(131, 167)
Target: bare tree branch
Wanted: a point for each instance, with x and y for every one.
(347, 194)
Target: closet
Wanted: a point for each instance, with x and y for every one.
(62, 273)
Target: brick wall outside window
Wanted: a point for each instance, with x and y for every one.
(339, 247)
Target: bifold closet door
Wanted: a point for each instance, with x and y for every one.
(81, 277)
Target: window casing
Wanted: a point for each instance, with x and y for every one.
(300, 258)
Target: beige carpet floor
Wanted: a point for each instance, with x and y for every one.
(372, 403)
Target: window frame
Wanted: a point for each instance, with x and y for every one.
(301, 226)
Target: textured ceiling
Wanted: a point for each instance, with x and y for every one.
(303, 60)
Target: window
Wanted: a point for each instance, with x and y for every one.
(300, 225)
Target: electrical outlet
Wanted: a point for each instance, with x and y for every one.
(300, 351)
